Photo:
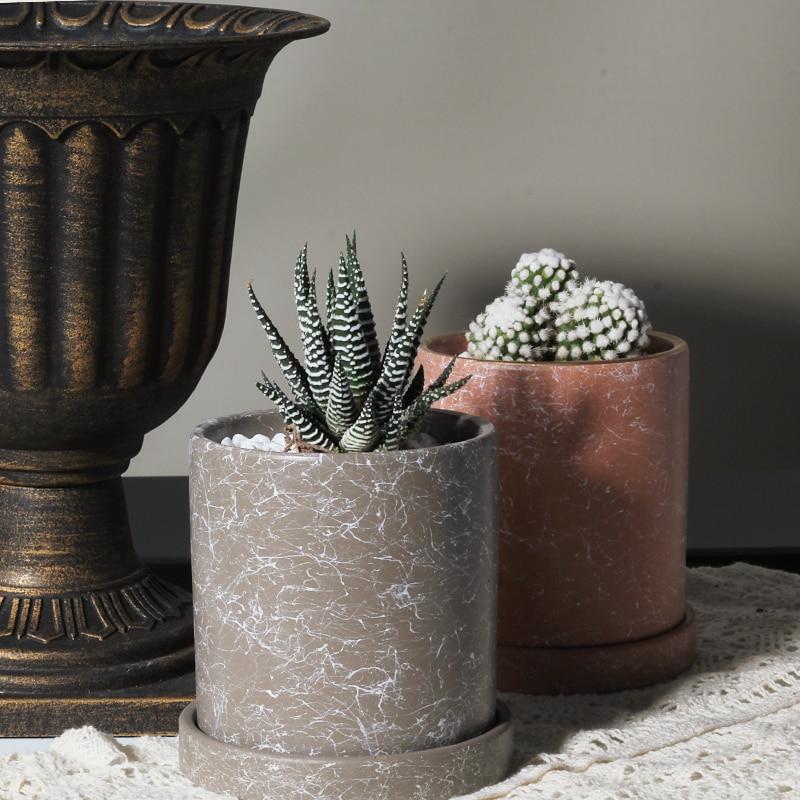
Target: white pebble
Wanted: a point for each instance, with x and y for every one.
(261, 442)
(279, 442)
(276, 444)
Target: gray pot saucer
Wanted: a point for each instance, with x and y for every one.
(437, 773)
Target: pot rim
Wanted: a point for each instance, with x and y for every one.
(24, 26)
(484, 430)
(675, 346)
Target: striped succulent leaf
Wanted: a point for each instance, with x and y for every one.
(347, 336)
(330, 298)
(419, 321)
(400, 313)
(363, 306)
(445, 376)
(311, 433)
(341, 410)
(397, 365)
(289, 365)
(414, 413)
(325, 337)
(362, 435)
(415, 387)
(316, 346)
(391, 441)
(400, 361)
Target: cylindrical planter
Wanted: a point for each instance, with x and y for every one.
(592, 461)
(122, 134)
(345, 610)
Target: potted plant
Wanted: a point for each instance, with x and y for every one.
(591, 409)
(345, 586)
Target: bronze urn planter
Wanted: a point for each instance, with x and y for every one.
(345, 611)
(122, 133)
(593, 462)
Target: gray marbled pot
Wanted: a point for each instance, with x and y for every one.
(345, 608)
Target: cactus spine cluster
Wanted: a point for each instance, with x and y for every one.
(347, 396)
(550, 312)
(509, 329)
(544, 276)
(600, 320)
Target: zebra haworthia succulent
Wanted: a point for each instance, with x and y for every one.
(346, 395)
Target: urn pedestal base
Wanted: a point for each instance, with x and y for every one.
(438, 773)
(118, 656)
(152, 708)
(88, 634)
(598, 668)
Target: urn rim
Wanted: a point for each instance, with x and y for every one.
(114, 25)
(476, 429)
(446, 345)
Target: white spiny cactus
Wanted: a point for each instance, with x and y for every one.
(543, 276)
(509, 329)
(550, 313)
(600, 320)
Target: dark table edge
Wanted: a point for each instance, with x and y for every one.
(784, 558)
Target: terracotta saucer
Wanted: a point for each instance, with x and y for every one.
(599, 668)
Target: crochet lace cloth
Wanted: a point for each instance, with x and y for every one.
(730, 728)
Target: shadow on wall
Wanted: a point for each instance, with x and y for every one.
(745, 380)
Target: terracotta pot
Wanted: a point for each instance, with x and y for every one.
(345, 612)
(593, 461)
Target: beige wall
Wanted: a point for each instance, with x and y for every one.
(658, 143)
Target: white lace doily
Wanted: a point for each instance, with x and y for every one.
(730, 728)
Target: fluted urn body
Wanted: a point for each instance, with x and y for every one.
(122, 133)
